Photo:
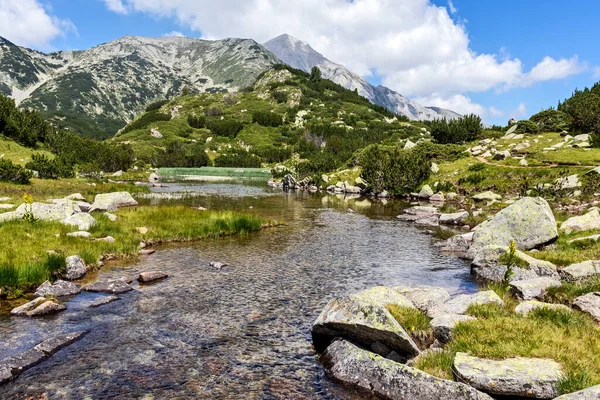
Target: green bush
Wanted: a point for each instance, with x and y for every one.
(584, 109)
(267, 118)
(50, 169)
(179, 155)
(156, 105)
(145, 120)
(526, 126)
(213, 112)
(197, 122)
(280, 97)
(238, 159)
(552, 120)
(23, 126)
(395, 170)
(225, 127)
(458, 130)
(13, 173)
(442, 152)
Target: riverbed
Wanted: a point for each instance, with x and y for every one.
(242, 332)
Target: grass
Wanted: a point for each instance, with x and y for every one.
(570, 338)
(415, 323)
(568, 291)
(17, 153)
(564, 253)
(24, 262)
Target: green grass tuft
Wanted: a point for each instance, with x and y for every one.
(415, 322)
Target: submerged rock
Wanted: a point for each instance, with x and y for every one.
(76, 268)
(151, 276)
(56, 343)
(364, 319)
(525, 377)
(103, 300)
(116, 286)
(387, 379)
(58, 289)
(589, 303)
(529, 222)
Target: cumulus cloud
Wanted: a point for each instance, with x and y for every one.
(28, 23)
(116, 6)
(417, 48)
(173, 34)
(458, 103)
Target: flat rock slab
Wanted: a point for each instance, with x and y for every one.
(582, 270)
(58, 289)
(81, 234)
(146, 252)
(589, 303)
(528, 306)
(56, 343)
(422, 211)
(151, 276)
(586, 222)
(443, 324)
(364, 319)
(454, 218)
(377, 376)
(104, 300)
(460, 303)
(533, 288)
(526, 377)
(112, 287)
(591, 393)
(38, 307)
(113, 201)
(424, 297)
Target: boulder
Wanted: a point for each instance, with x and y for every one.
(111, 217)
(424, 297)
(501, 155)
(487, 266)
(54, 344)
(409, 145)
(582, 138)
(43, 211)
(153, 178)
(591, 393)
(589, 303)
(582, 270)
(454, 218)
(422, 211)
(533, 288)
(528, 306)
(460, 303)
(487, 196)
(586, 222)
(112, 201)
(568, 182)
(151, 276)
(428, 221)
(20, 362)
(525, 377)
(426, 192)
(435, 168)
(456, 244)
(103, 300)
(81, 234)
(529, 222)
(437, 198)
(376, 376)
(82, 221)
(364, 319)
(37, 307)
(443, 324)
(76, 268)
(115, 286)
(58, 289)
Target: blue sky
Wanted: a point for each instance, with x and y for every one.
(497, 58)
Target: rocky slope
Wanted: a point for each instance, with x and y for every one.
(96, 91)
(301, 55)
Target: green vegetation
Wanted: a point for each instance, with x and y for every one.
(414, 322)
(571, 338)
(10, 172)
(24, 262)
(458, 130)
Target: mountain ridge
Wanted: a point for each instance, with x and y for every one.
(301, 55)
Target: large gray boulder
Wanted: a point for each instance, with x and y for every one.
(529, 222)
(589, 303)
(82, 221)
(112, 201)
(524, 377)
(42, 211)
(580, 271)
(424, 297)
(426, 192)
(76, 268)
(58, 289)
(586, 222)
(591, 393)
(386, 379)
(533, 288)
(460, 303)
(364, 319)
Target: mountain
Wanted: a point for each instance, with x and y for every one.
(301, 55)
(97, 91)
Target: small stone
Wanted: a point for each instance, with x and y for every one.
(48, 307)
(111, 217)
(146, 252)
(454, 218)
(116, 286)
(589, 303)
(22, 310)
(487, 196)
(82, 221)
(579, 271)
(460, 303)
(103, 300)
(591, 393)
(151, 276)
(108, 239)
(424, 297)
(426, 192)
(217, 265)
(142, 230)
(80, 234)
(76, 268)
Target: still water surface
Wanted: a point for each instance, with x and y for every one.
(242, 332)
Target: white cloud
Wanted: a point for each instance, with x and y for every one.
(596, 73)
(28, 23)
(451, 7)
(458, 103)
(521, 110)
(116, 6)
(494, 112)
(174, 34)
(415, 46)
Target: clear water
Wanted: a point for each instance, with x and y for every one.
(242, 332)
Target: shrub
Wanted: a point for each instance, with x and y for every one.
(225, 127)
(145, 120)
(230, 99)
(584, 109)
(23, 126)
(392, 169)
(179, 155)
(442, 152)
(280, 97)
(156, 105)
(267, 118)
(526, 126)
(213, 112)
(238, 159)
(13, 173)
(197, 122)
(50, 169)
(552, 120)
(458, 130)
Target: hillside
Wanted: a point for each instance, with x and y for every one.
(301, 55)
(97, 91)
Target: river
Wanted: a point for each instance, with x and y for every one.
(242, 332)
